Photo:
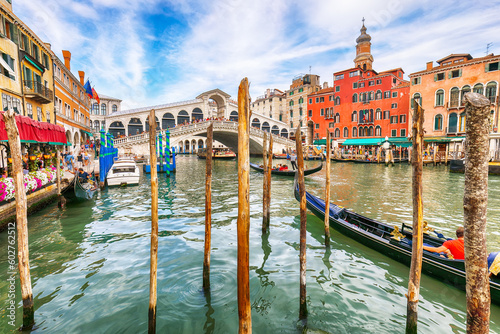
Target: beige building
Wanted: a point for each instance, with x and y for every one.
(98, 112)
(271, 104)
(296, 101)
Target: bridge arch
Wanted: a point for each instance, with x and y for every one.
(116, 129)
(134, 126)
(197, 114)
(182, 117)
(186, 146)
(193, 146)
(167, 121)
(256, 123)
(200, 143)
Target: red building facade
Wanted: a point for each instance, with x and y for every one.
(363, 103)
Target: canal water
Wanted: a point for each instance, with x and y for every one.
(90, 262)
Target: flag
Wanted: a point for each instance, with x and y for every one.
(95, 96)
(88, 89)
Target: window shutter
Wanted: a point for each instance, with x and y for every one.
(460, 72)
(487, 67)
(435, 77)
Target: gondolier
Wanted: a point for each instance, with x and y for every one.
(453, 247)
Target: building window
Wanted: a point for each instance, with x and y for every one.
(379, 81)
(7, 67)
(317, 100)
(337, 117)
(455, 74)
(300, 111)
(394, 119)
(339, 77)
(371, 83)
(301, 90)
(361, 132)
(96, 108)
(354, 116)
(438, 122)
(354, 132)
(354, 85)
(354, 97)
(346, 132)
(439, 97)
(361, 85)
(416, 97)
(378, 131)
(291, 113)
(403, 132)
(491, 91)
(291, 93)
(394, 133)
(454, 96)
(387, 114)
(114, 108)
(462, 122)
(39, 114)
(353, 74)
(337, 88)
(103, 109)
(402, 118)
(387, 95)
(331, 125)
(478, 88)
(290, 103)
(378, 114)
(29, 110)
(321, 99)
(439, 76)
(316, 125)
(310, 101)
(492, 67)
(322, 112)
(337, 133)
(337, 101)
(310, 112)
(394, 94)
(378, 95)
(394, 105)
(416, 81)
(452, 123)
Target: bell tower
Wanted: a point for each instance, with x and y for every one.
(364, 58)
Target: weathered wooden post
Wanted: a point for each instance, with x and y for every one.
(154, 224)
(61, 199)
(327, 191)
(475, 204)
(243, 222)
(21, 218)
(268, 160)
(434, 153)
(418, 218)
(208, 207)
(446, 154)
(303, 224)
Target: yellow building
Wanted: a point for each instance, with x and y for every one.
(32, 72)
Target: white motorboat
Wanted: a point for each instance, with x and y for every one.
(123, 172)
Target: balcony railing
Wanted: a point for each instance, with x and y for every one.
(38, 92)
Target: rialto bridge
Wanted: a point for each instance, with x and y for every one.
(189, 138)
(128, 125)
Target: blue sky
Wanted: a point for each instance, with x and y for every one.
(149, 52)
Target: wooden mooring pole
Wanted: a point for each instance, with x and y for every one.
(21, 219)
(154, 224)
(303, 224)
(208, 208)
(243, 222)
(418, 218)
(477, 109)
(327, 190)
(266, 202)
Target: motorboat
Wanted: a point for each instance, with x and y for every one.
(123, 172)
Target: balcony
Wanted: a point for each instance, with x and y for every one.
(36, 91)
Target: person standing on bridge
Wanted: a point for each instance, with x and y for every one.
(293, 160)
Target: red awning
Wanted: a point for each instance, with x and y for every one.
(32, 131)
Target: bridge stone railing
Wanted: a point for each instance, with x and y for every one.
(182, 130)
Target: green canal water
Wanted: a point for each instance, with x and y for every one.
(90, 262)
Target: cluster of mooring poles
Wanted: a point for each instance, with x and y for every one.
(475, 205)
(166, 156)
(107, 155)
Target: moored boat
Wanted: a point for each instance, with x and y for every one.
(289, 172)
(458, 166)
(395, 243)
(217, 153)
(123, 172)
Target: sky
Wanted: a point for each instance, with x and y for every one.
(151, 52)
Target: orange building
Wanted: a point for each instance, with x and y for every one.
(71, 102)
(440, 90)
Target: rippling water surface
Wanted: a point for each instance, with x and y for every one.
(90, 262)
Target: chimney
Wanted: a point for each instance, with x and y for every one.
(67, 59)
(268, 92)
(82, 77)
(325, 84)
(429, 66)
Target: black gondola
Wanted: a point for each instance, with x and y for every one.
(396, 244)
(80, 191)
(287, 172)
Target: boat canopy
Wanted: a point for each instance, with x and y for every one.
(443, 139)
(397, 141)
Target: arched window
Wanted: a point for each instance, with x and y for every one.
(97, 126)
(454, 96)
(361, 132)
(182, 117)
(337, 133)
(378, 131)
(256, 123)
(439, 97)
(378, 95)
(417, 97)
(337, 101)
(266, 127)
(438, 122)
(370, 131)
(197, 114)
(275, 130)
(354, 116)
(370, 96)
(354, 132)
(378, 114)
(364, 97)
(167, 121)
(355, 97)
(462, 122)
(478, 88)
(337, 118)
(346, 132)
(452, 122)
(234, 116)
(96, 108)
(491, 91)
(103, 109)
(114, 108)
(465, 90)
